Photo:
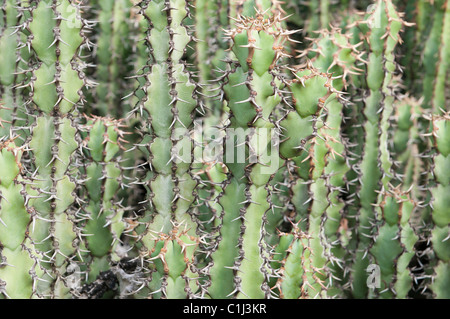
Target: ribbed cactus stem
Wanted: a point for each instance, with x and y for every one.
(174, 255)
(167, 108)
(296, 271)
(440, 137)
(104, 225)
(111, 51)
(432, 51)
(255, 90)
(382, 33)
(440, 95)
(194, 149)
(16, 262)
(320, 163)
(13, 70)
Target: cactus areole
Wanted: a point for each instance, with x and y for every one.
(224, 149)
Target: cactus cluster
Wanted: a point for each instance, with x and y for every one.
(224, 149)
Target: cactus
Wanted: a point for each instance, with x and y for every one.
(440, 218)
(112, 52)
(13, 71)
(103, 209)
(16, 248)
(179, 149)
(56, 85)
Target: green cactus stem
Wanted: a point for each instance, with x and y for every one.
(56, 36)
(14, 69)
(16, 249)
(440, 136)
(167, 108)
(104, 224)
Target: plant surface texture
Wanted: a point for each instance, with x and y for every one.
(224, 149)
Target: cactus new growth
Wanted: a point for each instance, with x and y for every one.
(224, 149)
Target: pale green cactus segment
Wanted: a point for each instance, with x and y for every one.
(8, 42)
(52, 189)
(333, 52)
(406, 136)
(13, 213)
(169, 99)
(298, 278)
(258, 44)
(252, 7)
(104, 226)
(174, 257)
(440, 242)
(202, 11)
(441, 280)
(440, 135)
(56, 32)
(16, 264)
(251, 274)
(43, 140)
(15, 279)
(13, 72)
(433, 51)
(386, 250)
(397, 209)
(112, 52)
(381, 27)
(238, 96)
(326, 155)
(311, 89)
(222, 273)
(212, 19)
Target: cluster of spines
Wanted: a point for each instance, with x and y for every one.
(101, 216)
(111, 56)
(252, 91)
(55, 36)
(16, 257)
(14, 70)
(440, 218)
(208, 236)
(167, 118)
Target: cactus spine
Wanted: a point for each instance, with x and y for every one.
(208, 149)
(168, 105)
(16, 249)
(56, 84)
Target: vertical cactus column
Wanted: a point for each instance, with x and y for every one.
(333, 52)
(16, 262)
(104, 225)
(167, 107)
(436, 48)
(13, 70)
(317, 152)
(381, 29)
(320, 15)
(440, 101)
(253, 91)
(56, 36)
(112, 56)
(440, 136)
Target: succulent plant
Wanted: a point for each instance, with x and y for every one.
(247, 149)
